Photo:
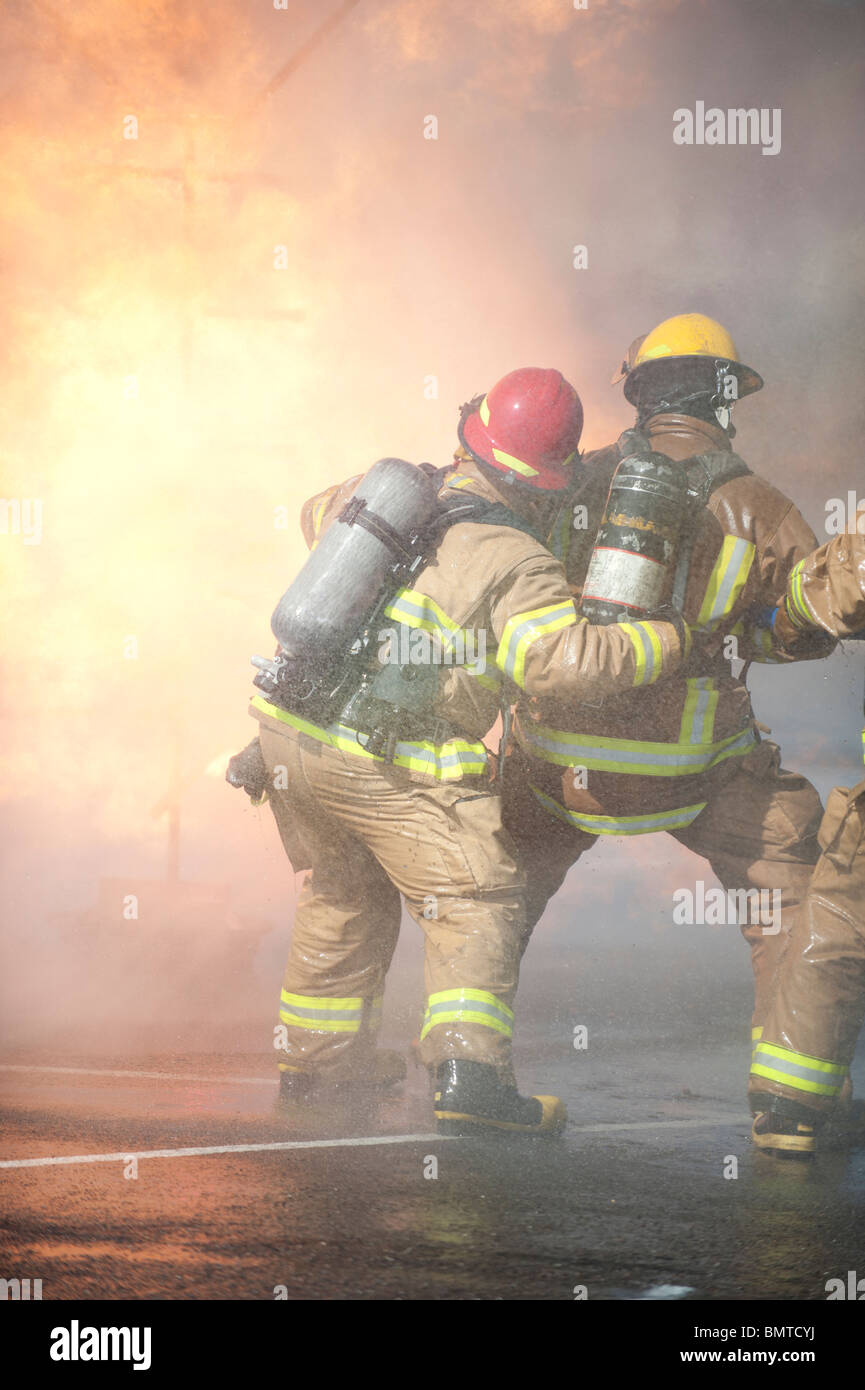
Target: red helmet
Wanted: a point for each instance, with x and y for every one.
(528, 426)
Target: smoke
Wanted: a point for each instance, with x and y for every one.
(217, 300)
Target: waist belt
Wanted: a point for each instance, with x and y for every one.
(380, 724)
(446, 762)
(384, 725)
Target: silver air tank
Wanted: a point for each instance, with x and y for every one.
(326, 607)
(631, 568)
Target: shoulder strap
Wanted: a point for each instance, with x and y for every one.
(632, 441)
(705, 473)
(483, 513)
(469, 507)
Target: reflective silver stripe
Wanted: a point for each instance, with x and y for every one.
(833, 1079)
(724, 598)
(326, 1014)
(706, 687)
(648, 649)
(471, 756)
(633, 758)
(404, 607)
(463, 757)
(535, 625)
(472, 1006)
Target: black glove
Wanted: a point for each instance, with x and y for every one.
(248, 770)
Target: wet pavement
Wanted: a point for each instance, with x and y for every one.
(653, 1191)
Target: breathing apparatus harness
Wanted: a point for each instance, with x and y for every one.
(704, 473)
(384, 703)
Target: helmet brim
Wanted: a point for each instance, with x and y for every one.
(747, 379)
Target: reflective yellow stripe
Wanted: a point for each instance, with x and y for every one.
(727, 580)
(796, 597)
(320, 1002)
(621, 825)
(797, 1070)
(417, 609)
(317, 514)
(467, 1006)
(459, 480)
(816, 1088)
(516, 464)
(803, 1060)
(480, 996)
(632, 758)
(447, 761)
(320, 1015)
(647, 650)
(523, 629)
(484, 411)
(698, 715)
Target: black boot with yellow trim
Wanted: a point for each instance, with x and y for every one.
(471, 1097)
(785, 1128)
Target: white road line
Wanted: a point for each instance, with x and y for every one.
(707, 1122)
(225, 1149)
(148, 1075)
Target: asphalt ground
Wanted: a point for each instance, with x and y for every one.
(172, 1175)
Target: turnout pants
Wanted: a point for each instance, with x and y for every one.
(758, 831)
(818, 1005)
(369, 834)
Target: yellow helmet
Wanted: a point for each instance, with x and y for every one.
(686, 336)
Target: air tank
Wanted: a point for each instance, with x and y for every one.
(325, 608)
(631, 567)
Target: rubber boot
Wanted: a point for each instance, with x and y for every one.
(471, 1097)
(387, 1069)
(785, 1129)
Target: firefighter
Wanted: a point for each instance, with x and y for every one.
(800, 1066)
(422, 819)
(687, 757)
